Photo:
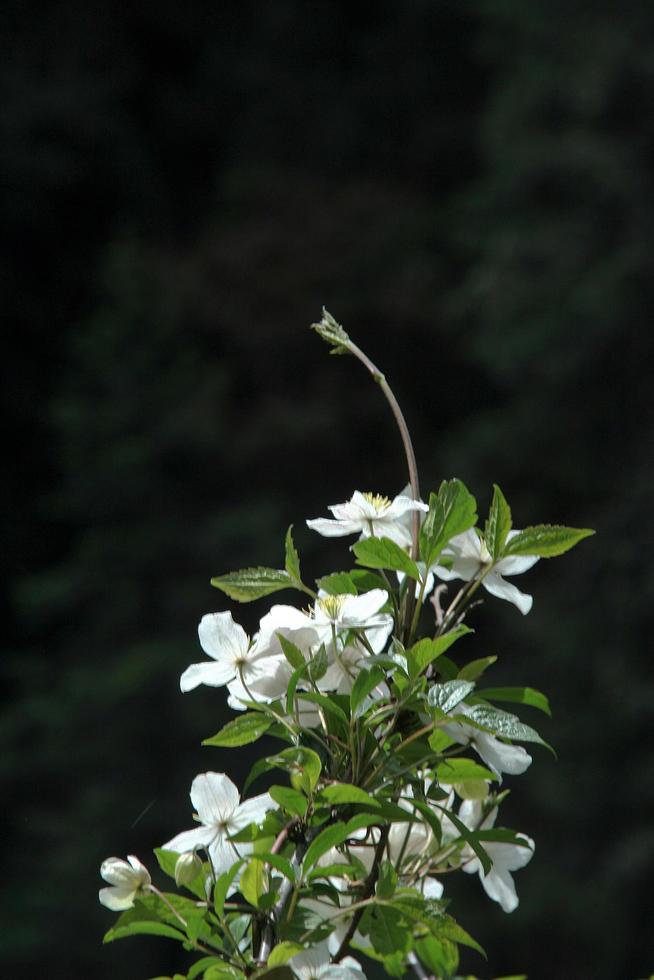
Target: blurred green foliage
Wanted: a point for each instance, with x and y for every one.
(469, 188)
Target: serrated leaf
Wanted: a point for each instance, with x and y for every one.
(502, 723)
(446, 696)
(292, 559)
(518, 695)
(474, 670)
(243, 730)
(365, 682)
(546, 540)
(338, 583)
(386, 554)
(498, 524)
(317, 667)
(292, 653)
(452, 511)
(249, 584)
(449, 928)
(425, 651)
(289, 799)
(388, 933)
(283, 952)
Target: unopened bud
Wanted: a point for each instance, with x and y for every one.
(187, 868)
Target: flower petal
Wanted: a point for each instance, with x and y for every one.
(212, 673)
(356, 609)
(222, 638)
(334, 529)
(117, 898)
(214, 796)
(252, 811)
(189, 839)
(499, 756)
(495, 584)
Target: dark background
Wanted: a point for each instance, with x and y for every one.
(468, 187)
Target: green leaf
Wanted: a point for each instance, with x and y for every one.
(440, 955)
(469, 837)
(251, 885)
(386, 880)
(518, 695)
(458, 770)
(292, 559)
(425, 651)
(388, 933)
(200, 967)
(279, 972)
(452, 511)
(289, 799)
(474, 670)
(338, 583)
(243, 730)
(384, 553)
(502, 723)
(364, 683)
(140, 921)
(546, 540)
(330, 837)
(498, 524)
(292, 653)
(366, 581)
(283, 952)
(302, 764)
(318, 664)
(340, 793)
(278, 862)
(327, 703)
(446, 696)
(223, 883)
(449, 928)
(253, 583)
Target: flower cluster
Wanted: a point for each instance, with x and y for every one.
(393, 753)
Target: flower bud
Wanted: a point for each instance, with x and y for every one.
(187, 868)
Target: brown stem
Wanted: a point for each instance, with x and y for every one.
(368, 890)
(378, 376)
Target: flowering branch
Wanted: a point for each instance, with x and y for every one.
(391, 755)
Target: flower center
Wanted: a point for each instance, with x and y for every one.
(378, 502)
(331, 605)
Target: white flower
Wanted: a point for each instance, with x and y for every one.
(221, 814)
(498, 883)
(368, 514)
(498, 756)
(469, 553)
(127, 880)
(340, 613)
(315, 964)
(229, 647)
